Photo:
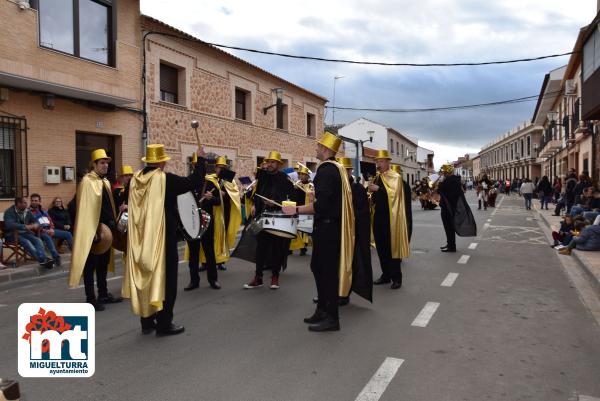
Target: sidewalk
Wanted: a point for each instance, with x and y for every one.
(590, 260)
(23, 274)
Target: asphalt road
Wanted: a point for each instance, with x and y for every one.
(508, 325)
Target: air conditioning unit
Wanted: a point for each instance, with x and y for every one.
(570, 87)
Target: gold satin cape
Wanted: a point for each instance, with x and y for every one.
(89, 204)
(221, 240)
(235, 212)
(145, 268)
(394, 187)
(347, 227)
(302, 239)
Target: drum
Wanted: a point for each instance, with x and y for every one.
(305, 223)
(279, 224)
(119, 241)
(193, 221)
(122, 222)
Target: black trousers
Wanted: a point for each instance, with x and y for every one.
(448, 222)
(98, 263)
(271, 253)
(325, 264)
(391, 269)
(164, 318)
(208, 245)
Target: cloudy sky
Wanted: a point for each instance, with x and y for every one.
(424, 31)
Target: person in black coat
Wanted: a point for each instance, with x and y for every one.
(60, 216)
(121, 193)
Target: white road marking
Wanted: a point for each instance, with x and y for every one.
(423, 318)
(489, 220)
(473, 245)
(464, 259)
(3, 305)
(486, 226)
(380, 380)
(108, 279)
(498, 206)
(587, 398)
(449, 280)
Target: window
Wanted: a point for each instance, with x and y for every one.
(311, 124)
(397, 151)
(83, 28)
(240, 104)
(282, 117)
(591, 54)
(529, 146)
(13, 157)
(169, 84)
(392, 146)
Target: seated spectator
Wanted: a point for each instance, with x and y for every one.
(19, 218)
(565, 233)
(60, 216)
(582, 202)
(47, 232)
(587, 240)
(593, 206)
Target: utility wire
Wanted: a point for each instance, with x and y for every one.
(332, 60)
(447, 108)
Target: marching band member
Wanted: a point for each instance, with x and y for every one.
(390, 221)
(232, 208)
(150, 276)
(333, 235)
(95, 205)
(121, 192)
(271, 250)
(301, 195)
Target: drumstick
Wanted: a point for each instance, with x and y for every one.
(269, 200)
(297, 185)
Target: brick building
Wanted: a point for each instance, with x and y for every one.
(187, 80)
(69, 83)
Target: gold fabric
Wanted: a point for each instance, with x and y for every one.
(155, 153)
(274, 155)
(302, 239)
(100, 154)
(347, 226)
(126, 170)
(235, 212)
(145, 268)
(221, 161)
(331, 141)
(397, 168)
(346, 162)
(394, 187)
(383, 154)
(89, 204)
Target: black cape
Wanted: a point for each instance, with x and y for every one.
(453, 203)
(362, 271)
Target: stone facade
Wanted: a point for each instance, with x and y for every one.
(208, 78)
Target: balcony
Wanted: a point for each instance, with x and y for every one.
(551, 147)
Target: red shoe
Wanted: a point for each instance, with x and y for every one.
(255, 283)
(274, 282)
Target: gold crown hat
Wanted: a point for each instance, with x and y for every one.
(221, 161)
(155, 153)
(447, 168)
(303, 170)
(346, 162)
(331, 141)
(126, 170)
(100, 154)
(396, 168)
(383, 154)
(274, 155)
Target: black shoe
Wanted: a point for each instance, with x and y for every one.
(110, 299)
(343, 301)
(315, 300)
(191, 286)
(214, 285)
(221, 266)
(396, 284)
(171, 330)
(98, 307)
(303, 252)
(48, 264)
(381, 280)
(444, 247)
(317, 317)
(148, 329)
(329, 324)
(449, 250)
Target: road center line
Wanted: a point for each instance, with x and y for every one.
(423, 318)
(587, 398)
(380, 380)
(464, 259)
(473, 245)
(489, 220)
(449, 280)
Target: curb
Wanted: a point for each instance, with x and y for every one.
(591, 271)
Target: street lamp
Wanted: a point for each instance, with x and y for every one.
(334, 81)
(279, 96)
(359, 147)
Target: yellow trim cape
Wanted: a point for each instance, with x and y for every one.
(302, 239)
(394, 187)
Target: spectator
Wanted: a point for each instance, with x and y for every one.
(544, 190)
(507, 187)
(527, 191)
(60, 216)
(584, 182)
(570, 184)
(565, 233)
(557, 186)
(19, 218)
(47, 232)
(587, 240)
(593, 207)
(582, 202)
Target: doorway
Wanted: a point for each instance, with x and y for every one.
(84, 145)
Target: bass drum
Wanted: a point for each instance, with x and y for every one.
(193, 221)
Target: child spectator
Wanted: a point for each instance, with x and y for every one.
(565, 233)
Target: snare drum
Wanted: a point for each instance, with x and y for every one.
(279, 224)
(305, 223)
(193, 221)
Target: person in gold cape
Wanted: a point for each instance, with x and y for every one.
(301, 195)
(121, 192)
(232, 207)
(95, 205)
(333, 235)
(390, 224)
(150, 277)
